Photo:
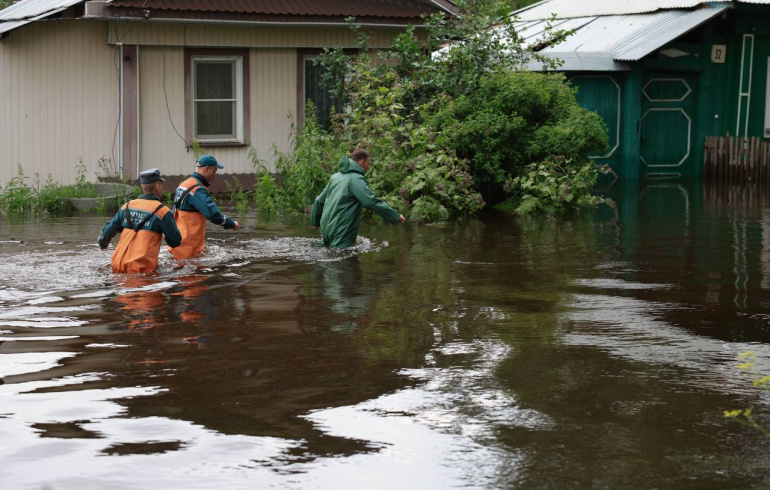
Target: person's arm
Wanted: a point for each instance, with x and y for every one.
(111, 229)
(205, 205)
(170, 230)
(366, 197)
(318, 208)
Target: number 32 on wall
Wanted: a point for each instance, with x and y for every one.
(718, 53)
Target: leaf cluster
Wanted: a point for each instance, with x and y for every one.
(24, 195)
(555, 184)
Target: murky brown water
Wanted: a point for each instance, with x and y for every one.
(594, 352)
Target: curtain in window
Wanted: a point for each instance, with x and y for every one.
(215, 100)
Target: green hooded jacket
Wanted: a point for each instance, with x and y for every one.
(337, 209)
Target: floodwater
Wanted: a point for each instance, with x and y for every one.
(592, 352)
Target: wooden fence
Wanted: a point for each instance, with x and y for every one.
(730, 160)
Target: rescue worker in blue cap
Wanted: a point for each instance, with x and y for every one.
(193, 205)
(140, 223)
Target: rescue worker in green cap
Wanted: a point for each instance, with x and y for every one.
(140, 223)
(337, 210)
(193, 205)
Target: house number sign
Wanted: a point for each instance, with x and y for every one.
(718, 53)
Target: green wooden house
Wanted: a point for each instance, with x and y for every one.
(664, 74)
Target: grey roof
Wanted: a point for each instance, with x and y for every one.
(607, 43)
(566, 9)
(27, 11)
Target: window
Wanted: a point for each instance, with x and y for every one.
(313, 90)
(217, 101)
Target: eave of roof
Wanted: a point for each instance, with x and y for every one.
(610, 42)
(569, 9)
(24, 12)
(284, 12)
(323, 8)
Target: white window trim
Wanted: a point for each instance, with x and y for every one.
(767, 102)
(239, 137)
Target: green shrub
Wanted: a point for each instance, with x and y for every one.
(19, 197)
(239, 196)
(513, 119)
(304, 172)
(555, 185)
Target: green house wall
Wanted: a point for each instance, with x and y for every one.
(651, 129)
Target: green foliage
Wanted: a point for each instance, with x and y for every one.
(762, 382)
(555, 185)
(447, 116)
(168, 199)
(197, 149)
(409, 171)
(17, 197)
(304, 172)
(101, 206)
(514, 118)
(267, 194)
(21, 197)
(239, 196)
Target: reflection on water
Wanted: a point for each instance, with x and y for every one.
(589, 352)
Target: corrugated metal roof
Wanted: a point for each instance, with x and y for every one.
(637, 45)
(370, 8)
(606, 43)
(27, 11)
(566, 9)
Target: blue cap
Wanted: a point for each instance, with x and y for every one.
(208, 161)
(150, 176)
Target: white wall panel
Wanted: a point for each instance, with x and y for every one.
(273, 82)
(178, 34)
(58, 100)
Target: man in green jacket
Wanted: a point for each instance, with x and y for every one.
(338, 209)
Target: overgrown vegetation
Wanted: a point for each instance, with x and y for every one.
(452, 122)
(24, 194)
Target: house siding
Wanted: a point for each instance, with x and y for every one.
(273, 79)
(51, 115)
(229, 35)
(61, 84)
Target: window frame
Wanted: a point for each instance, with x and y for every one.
(243, 103)
(304, 55)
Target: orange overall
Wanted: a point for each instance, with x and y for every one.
(192, 226)
(137, 250)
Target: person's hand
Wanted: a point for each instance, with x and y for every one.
(401, 218)
(237, 226)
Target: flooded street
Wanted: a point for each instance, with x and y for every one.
(594, 352)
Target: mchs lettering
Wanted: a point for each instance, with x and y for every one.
(137, 217)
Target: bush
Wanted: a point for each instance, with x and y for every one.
(304, 172)
(513, 119)
(555, 185)
(19, 197)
